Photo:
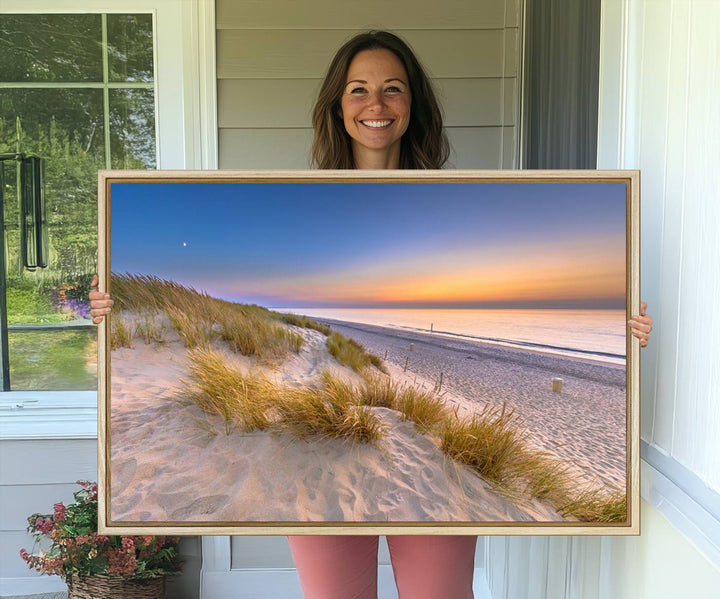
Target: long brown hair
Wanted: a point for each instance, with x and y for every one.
(424, 144)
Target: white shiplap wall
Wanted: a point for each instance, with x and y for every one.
(661, 115)
(660, 84)
(271, 58)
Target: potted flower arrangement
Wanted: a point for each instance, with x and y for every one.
(95, 565)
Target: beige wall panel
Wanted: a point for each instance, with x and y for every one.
(474, 147)
(512, 52)
(513, 13)
(266, 102)
(510, 148)
(471, 102)
(276, 103)
(350, 14)
(511, 109)
(471, 148)
(265, 148)
(306, 54)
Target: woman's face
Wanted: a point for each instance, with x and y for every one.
(375, 104)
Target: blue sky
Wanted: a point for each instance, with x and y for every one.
(370, 244)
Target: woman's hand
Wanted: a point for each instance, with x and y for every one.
(100, 303)
(641, 325)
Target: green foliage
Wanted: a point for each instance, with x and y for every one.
(66, 127)
(68, 359)
(29, 306)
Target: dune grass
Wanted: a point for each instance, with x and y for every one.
(120, 332)
(488, 442)
(150, 330)
(597, 505)
(217, 388)
(350, 353)
(331, 411)
(304, 322)
(248, 329)
(200, 319)
(495, 445)
(252, 402)
(425, 408)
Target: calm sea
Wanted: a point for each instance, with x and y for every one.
(598, 334)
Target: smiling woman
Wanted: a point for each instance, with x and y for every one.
(375, 78)
(375, 107)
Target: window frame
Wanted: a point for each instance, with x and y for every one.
(184, 36)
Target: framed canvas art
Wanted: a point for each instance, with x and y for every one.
(369, 352)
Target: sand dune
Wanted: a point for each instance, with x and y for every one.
(172, 463)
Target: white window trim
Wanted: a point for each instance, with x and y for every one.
(186, 127)
(186, 107)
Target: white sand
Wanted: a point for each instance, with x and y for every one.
(172, 463)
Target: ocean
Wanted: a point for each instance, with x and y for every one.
(597, 334)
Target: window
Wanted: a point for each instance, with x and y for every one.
(77, 90)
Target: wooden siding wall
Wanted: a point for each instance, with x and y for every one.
(271, 57)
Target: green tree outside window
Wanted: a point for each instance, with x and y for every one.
(77, 90)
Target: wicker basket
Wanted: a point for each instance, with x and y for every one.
(116, 587)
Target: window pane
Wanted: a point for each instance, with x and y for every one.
(50, 48)
(53, 360)
(65, 127)
(132, 128)
(49, 117)
(130, 47)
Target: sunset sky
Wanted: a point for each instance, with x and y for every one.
(425, 245)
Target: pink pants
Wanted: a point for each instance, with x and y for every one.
(345, 567)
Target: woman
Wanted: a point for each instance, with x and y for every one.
(377, 110)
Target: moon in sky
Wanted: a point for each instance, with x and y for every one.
(184, 244)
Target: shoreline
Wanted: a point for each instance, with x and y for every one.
(602, 354)
(584, 424)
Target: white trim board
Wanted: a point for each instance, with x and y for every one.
(682, 510)
(48, 415)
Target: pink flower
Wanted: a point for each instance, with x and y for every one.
(128, 543)
(59, 509)
(43, 526)
(24, 555)
(121, 562)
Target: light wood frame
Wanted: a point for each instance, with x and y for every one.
(631, 527)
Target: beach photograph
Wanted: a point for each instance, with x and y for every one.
(367, 353)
